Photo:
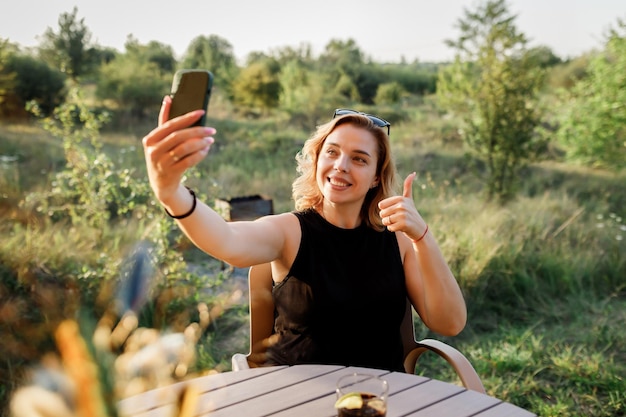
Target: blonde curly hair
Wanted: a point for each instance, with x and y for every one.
(305, 191)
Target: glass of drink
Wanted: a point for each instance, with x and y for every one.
(361, 395)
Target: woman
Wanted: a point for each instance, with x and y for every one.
(350, 249)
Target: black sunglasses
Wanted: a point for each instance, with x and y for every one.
(375, 119)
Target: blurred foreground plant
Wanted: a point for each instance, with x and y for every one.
(99, 362)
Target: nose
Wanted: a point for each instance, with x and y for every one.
(341, 164)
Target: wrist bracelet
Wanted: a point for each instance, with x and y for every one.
(422, 236)
(193, 207)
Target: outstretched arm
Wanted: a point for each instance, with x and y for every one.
(172, 148)
(432, 288)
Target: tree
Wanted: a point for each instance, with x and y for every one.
(389, 93)
(7, 78)
(303, 95)
(138, 79)
(35, 81)
(343, 63)
(302, 54)
(343, 55)
(257, 87)
(214, 54)
(544, 56)
(415, 78)
(135, 85)
(69, 50)
(494, 84)
(155, 52)
(593, 127)
(567, 74)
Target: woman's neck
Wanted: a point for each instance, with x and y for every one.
(345, 217)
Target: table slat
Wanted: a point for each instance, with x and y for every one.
(397, 382)
(291, 395)
(259, 388)
(421, 396)
(132, 406)
(466, 403)
(506, 410)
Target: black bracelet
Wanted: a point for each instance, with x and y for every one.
(193, 207)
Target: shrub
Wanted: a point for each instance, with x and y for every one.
(36, 81)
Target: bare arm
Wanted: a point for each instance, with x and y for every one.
(432, 288)
(240, 244)
(171, 149)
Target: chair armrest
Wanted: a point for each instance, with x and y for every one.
(461, 365)
(239, 362)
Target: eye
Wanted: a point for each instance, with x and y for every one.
(360, 160)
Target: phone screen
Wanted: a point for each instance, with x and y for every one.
(191, 90)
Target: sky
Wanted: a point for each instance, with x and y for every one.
(386, 31)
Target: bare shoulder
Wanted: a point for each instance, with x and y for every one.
(284, 226)
(287, 217)
(282, 221)
(288, 227)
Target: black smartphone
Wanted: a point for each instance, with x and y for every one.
(191, 90)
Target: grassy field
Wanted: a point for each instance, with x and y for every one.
(544, 277)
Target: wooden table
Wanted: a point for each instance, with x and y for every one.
(309, 390)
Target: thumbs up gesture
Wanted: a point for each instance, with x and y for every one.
(398, 213)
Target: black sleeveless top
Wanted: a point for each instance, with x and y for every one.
(343, 299)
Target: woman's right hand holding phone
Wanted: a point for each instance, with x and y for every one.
(172, 148)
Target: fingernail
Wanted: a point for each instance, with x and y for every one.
(209, 131)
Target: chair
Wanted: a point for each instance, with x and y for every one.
(262, 323)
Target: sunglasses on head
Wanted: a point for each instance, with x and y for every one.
(382, 123)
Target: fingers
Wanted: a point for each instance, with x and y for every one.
(397, 221)
(173, 147)
(189, 149)
(190, 159)
(168, 127)
(398, 213)
(165, 109)
(166, 166)
(189, 118)
(407, 192)
(408, 185)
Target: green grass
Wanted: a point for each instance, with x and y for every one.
(544, 277)
(569, 362)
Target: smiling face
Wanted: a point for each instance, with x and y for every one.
(322, 182)
(346, 166)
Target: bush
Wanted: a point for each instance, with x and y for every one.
(389, 93)
(136, 86)
(592, 127)
(35, 81)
